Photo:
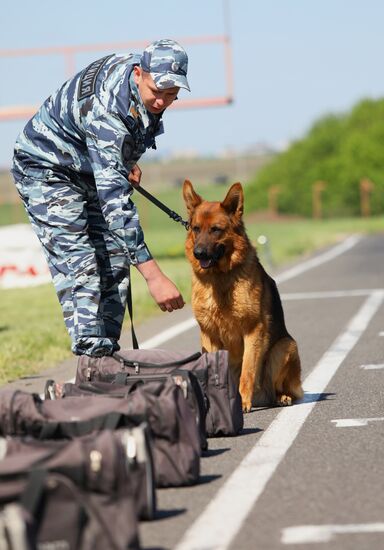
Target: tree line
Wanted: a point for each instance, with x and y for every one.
(337, 169)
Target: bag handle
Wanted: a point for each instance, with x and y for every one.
(139, 364)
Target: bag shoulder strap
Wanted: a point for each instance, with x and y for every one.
(33, 492)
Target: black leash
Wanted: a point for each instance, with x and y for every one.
(175, 217)
(162, 206)
(135, 343)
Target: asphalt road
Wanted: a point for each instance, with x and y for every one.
(309, 476)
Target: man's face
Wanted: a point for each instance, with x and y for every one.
(154, 100)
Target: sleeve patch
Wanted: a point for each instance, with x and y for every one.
(88, 78)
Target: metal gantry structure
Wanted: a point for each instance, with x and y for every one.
(69, 53)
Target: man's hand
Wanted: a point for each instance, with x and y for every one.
(165, 293)
(162, 289)
(134, 175)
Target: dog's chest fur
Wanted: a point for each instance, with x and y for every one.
(228, 306)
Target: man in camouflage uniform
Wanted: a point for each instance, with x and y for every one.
(74, 167)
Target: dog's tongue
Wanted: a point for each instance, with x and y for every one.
(205, 263)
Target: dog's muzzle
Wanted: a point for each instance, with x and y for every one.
(208, 259)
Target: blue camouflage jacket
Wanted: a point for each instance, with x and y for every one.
(96, 124)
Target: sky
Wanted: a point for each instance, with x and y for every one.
(294, 61)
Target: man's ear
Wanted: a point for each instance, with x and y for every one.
(234, 201)
(137, 73)
(191, 198)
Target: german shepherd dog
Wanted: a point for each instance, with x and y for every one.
(237, 304)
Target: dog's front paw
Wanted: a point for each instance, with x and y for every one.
(246, 403)
(246, 396)
(247, 407)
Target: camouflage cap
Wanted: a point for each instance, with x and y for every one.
(167, 62)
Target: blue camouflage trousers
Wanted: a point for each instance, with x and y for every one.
(89, 268)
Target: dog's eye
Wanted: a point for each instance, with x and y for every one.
(215, 229)
(196, 229)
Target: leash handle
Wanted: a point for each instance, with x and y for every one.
(173, 215)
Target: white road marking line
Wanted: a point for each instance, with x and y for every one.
(373, 366)
(175, 330)
(352, 422)
(191, 322)
(303, 534)
(337, 250)
(328, 294)
(169, 333)
(381, 333)
(221, 515)
(186, 325)
(318, 260)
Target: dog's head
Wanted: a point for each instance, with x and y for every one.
(216, 237)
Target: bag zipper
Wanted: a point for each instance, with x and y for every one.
(216, 375)
(95, 459)
(178, 380)
(134, 442)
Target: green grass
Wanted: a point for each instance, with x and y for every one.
(12, 213)
(288, 240)
(32, 332)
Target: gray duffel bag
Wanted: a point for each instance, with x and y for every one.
(224, 410)
(68, 494)
(173, 429)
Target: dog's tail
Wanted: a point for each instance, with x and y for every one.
(264, 396)
(285, 368)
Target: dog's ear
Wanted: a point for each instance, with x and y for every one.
(234, 201)
(191, 198)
